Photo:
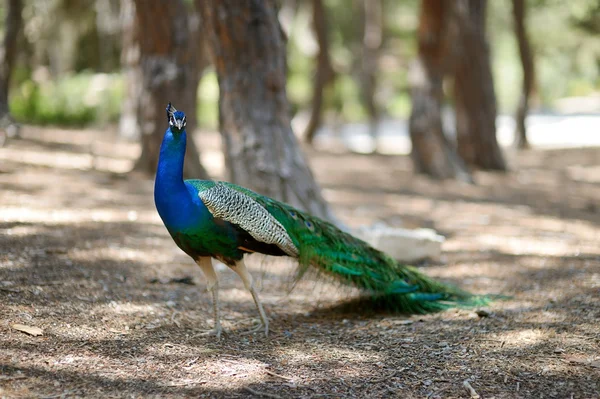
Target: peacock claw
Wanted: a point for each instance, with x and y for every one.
(256, 329)
(215, 331)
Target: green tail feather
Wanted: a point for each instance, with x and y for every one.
(392, 285)
(353, 262)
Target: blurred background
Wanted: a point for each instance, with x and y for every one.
(72, 64)
(476, 120)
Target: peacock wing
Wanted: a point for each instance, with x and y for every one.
(240, 208)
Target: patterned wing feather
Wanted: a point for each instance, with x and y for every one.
(240, 209)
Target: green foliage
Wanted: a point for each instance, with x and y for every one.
(208, 99)
(74, 100)
(564, 38)
(565, 46)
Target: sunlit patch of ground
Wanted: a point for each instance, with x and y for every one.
(84, 256)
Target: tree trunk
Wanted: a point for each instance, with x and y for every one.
(372, 38)
(261, 152)
(169, 62)
(8, 53)
(432, 154)
(324, 74)
(130, 60)
(475, 100)
(519, 16)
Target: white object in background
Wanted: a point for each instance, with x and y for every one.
(403, 244)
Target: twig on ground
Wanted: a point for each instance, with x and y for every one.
(469, 388)
(438, 392)
(60, 395)
(13, 290)
(173, 320)
(259, 393)
(387, 377)
(187, 383)
(283, 377)
(12, 377)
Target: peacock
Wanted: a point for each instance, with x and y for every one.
(220, 220)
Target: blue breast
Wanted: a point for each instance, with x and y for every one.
(177, 203)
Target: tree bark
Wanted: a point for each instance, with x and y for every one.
(261, 152)
(372, 39)
(324, 71)
(130, 60)
(519, 16)
(475, 100)
(8, 53)
(169, 62)
(432, 154)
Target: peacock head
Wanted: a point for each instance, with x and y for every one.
(176, 119)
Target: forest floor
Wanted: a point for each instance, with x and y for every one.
(84, 257)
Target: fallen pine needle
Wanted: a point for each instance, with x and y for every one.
(12, 377)
(469, 388)
(259, 393)
(283, 377)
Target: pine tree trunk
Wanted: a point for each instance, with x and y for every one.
(372, 38)
(169, 62)
(432, 154)
(130, 61)
(519, 16)
(261, 152)
(8, 53)
(475, 100)
(324, 70)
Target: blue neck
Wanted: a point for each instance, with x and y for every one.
(169, 173)
(171, 196)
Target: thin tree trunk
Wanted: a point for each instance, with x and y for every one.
(432, 154)
(169, 62)
(372, 39)
(8, 53)
(130, 60)
(324, 71)
(261, 152)
(519, 16)
(475, 100)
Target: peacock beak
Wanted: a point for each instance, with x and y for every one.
(179, 124)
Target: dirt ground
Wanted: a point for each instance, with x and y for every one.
(84, 257)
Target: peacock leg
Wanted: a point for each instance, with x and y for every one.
(212, 283)
(242, 271)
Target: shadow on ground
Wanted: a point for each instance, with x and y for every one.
(83, 257)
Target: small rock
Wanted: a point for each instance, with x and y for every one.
(171, 304)
(483, 313)
(559, 350)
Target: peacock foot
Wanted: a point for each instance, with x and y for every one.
(215, 331)
(259, 327)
